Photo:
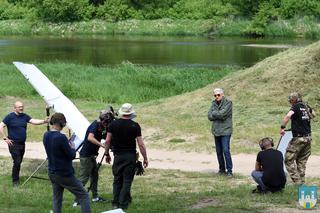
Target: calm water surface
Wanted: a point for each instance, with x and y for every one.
(112, 50)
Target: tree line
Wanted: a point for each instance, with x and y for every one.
(259, 12)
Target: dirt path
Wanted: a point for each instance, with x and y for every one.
(185, 161)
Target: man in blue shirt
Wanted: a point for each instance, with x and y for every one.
(60, 153)
(16, 123)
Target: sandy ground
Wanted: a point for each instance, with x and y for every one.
(184, 161)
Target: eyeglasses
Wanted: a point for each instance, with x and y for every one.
(217, 95)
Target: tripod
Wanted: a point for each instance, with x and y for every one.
(98, 167)
(35, 171)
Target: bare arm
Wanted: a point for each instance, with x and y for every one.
(312, 114)
(258, 166)
(38, 121)
(7, 140)
(143, 151)
(107, 147)
(285, 121)
(93, 140)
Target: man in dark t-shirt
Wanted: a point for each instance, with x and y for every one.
(268, 173)
(89, 152)
(299, 148)
(16, 123)
(125, 133)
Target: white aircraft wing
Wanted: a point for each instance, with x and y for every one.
(56, 100)
(283, 144)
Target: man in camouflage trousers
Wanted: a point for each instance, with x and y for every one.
(299, 148)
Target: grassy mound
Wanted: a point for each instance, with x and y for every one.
(259, 95)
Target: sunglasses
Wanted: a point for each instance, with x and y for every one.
(217, 95)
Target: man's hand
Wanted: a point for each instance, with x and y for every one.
(108, 158)
(8, 141)
(72, 145)
(46, 120)
(282, 132)
(145, 163)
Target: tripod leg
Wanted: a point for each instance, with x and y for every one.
(98, 167)
(34, 172)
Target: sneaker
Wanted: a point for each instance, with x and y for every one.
(16, 184)
(98, 199)
(222, 173)
(229, 174)
(75, 204)
(115, 206)
(256, 190)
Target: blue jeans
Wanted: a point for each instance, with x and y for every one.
(257, 177)
(223, 153)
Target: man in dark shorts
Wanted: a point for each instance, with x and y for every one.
(125, 133)
(16, 123)
(268, 173)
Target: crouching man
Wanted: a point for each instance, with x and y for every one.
(268, 173)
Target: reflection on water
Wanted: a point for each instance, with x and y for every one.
(112, 50)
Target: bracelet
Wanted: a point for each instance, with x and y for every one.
(282, 126)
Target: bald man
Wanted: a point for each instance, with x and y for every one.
(16, 123)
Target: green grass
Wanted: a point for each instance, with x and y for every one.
(123, 83)
(156, 191)
(297, 27)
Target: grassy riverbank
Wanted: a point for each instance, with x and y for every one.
(298, 27)
(91, 88)
(157, 191)
(123, 83)
(180, 122)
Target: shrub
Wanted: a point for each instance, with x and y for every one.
(117, 10)
(11, 11)
(292, 8)
(261, 19)
(63, 10)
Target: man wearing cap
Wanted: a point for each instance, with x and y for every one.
(89, 152)
(125, 133)
(17, 122)
(299, 148)
(220, 113)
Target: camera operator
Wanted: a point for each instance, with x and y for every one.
(89, 152)
(61, 173)
(124, 133)
(268, 173)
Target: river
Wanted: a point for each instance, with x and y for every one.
(145, 50)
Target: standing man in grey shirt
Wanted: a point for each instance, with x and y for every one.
(220, 113)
